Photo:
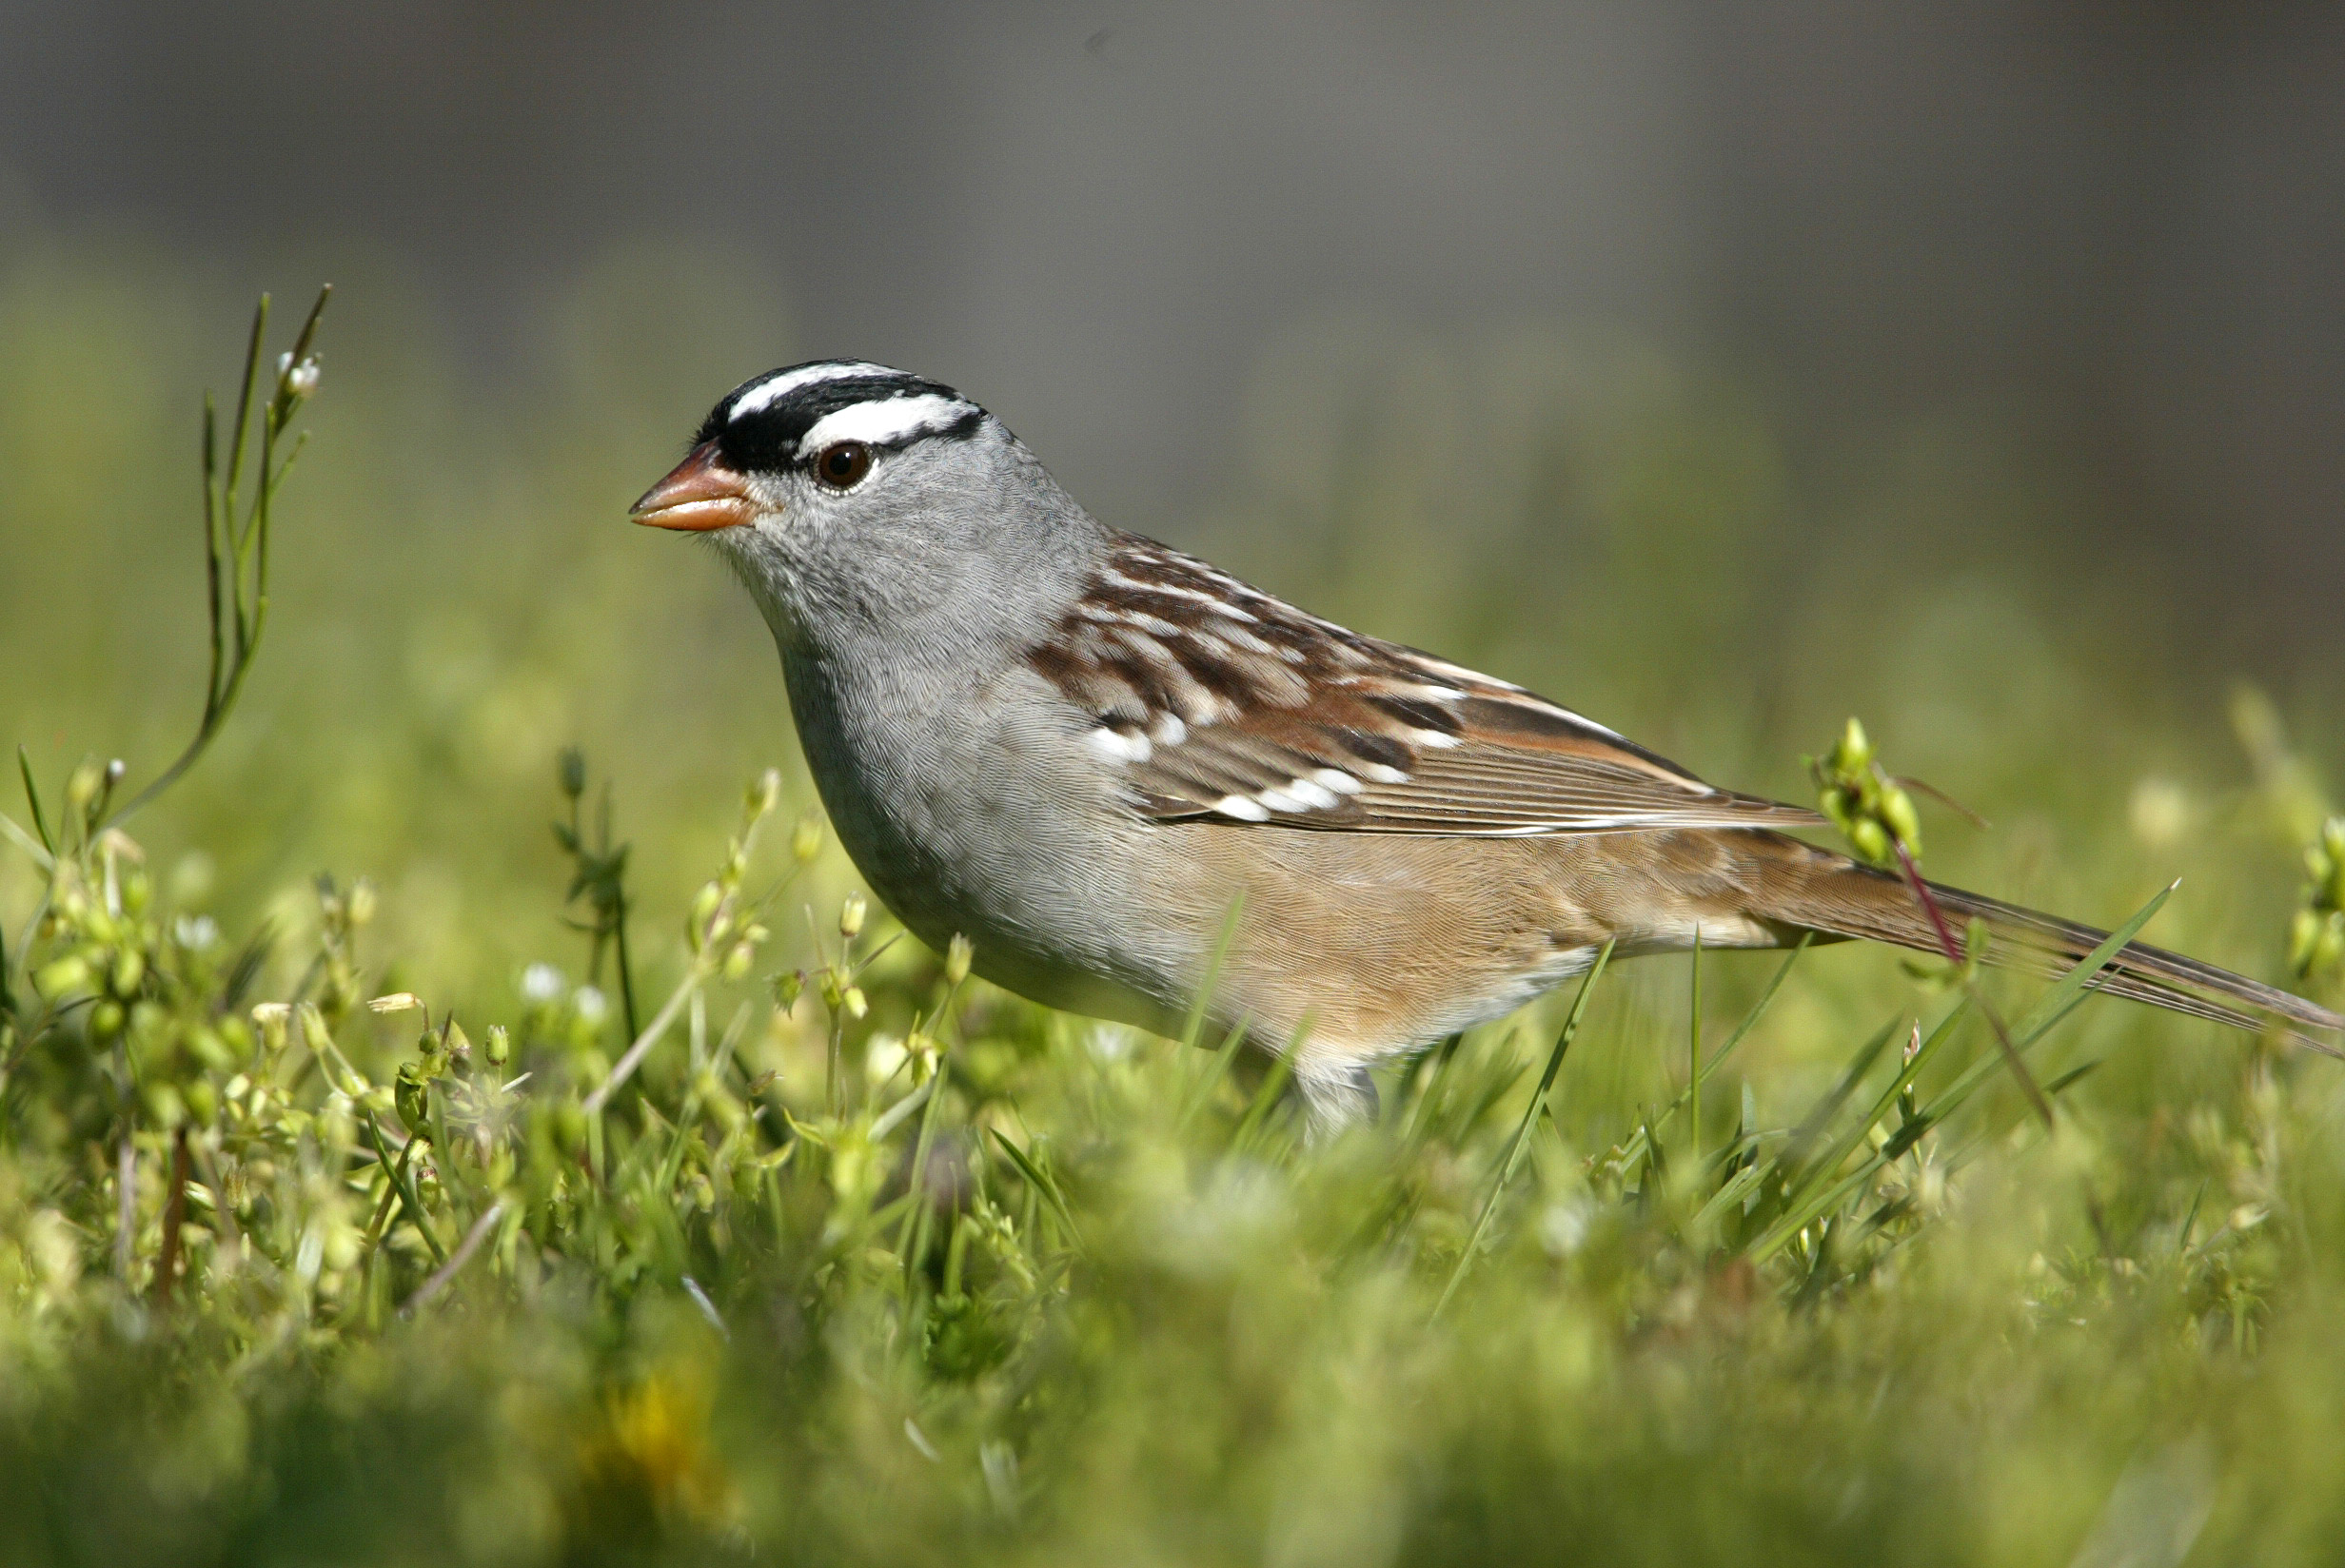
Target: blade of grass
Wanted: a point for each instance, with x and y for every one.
(1522, 1133)
(2065, 995)
(32, 799)
(1040, 1180)
(1267, 1094)
(25, 841)
(1633, 1150)
(1193, 1029)
(912, 1241)
(1792, 1161)
(1436, 1085)
(2069, 992)
(1884, 1102)
(1693, 1059)
(1953, 951)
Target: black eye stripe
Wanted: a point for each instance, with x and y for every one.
(767, 438)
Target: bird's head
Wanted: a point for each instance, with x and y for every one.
(854, 498)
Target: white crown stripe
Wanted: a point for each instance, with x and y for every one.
(885, 420)
(775, 387)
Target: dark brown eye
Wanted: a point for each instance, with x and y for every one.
(842, 465)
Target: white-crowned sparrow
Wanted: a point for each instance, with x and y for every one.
(1081, 749)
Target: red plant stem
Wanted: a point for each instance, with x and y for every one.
(1954, 955)
(174, 1213)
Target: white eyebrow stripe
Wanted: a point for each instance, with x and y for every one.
(885, 420)
(774, 387)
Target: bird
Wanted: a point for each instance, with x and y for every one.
(1140, 787)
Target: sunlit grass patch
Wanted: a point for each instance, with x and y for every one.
(734, 1223)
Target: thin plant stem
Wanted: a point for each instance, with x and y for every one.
(126, 1200)
(643, 1042)
(1970, 983)
(1522, 1133)
(404, 1183)
(455, 1260)
(174, 1215)
(240, 555)
(1693, 1058)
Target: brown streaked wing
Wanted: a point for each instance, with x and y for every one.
(1216, 701)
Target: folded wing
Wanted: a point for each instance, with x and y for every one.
(1212, 700)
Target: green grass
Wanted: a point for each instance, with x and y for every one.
(743, 1228)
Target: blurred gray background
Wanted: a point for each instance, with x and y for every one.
(2114, 232)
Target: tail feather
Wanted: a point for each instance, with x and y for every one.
(1835, 896)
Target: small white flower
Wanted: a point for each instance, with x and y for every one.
(1563, 1229)
(310, 1254)
(298, 380)
(590, 1003)
(542, 983)
(882, 1058)
(196, 933)
(2159, 811)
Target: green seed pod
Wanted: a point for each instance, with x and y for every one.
(568, 1125)
(2303, 936)
(203, 1102)
(764, 793)
(106, 1020)
(205, 1045)
(458, 1043)
(1870, 838)
(497, 1046)
(129, 968)
(163, 1107)
(855, 1002)
(805, 840)
(2329, 947)
(411, 1098)
(62, 976)
(851, 914)
(737, 962)
(570, 767)
(82, 788)
(1897, 813)
(957, 956)
(704, 903)
(362, 902)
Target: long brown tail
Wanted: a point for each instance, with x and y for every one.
(1807, 888)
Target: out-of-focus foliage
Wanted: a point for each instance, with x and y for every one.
(417, 1258)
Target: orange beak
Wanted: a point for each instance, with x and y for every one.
(700, 494)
